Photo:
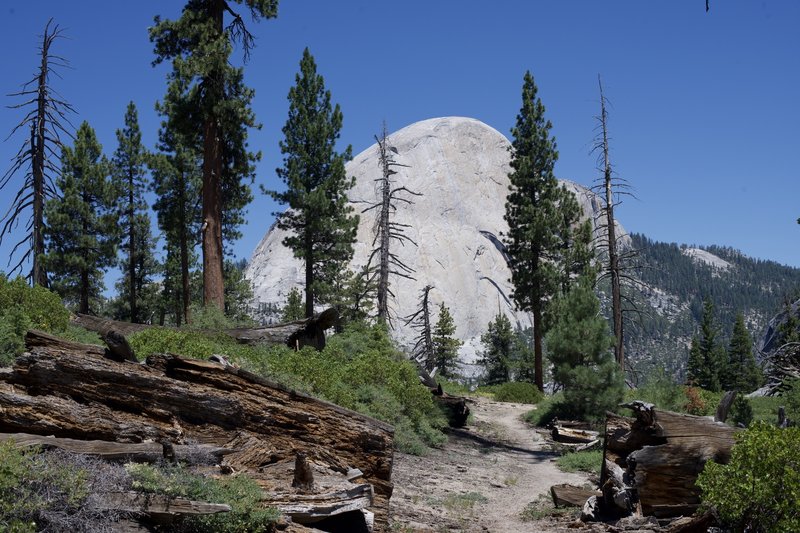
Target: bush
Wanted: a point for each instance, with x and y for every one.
(52, 491)
(661, 391)
(23, 308)
(587, 461)
(759, 488)
(359, 369)
(546, 410)
(741, 411)
(515, 391)
(240, 492)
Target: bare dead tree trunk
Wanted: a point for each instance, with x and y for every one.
(45, 120)
(386, 229)
(213, 282)
(613, 256)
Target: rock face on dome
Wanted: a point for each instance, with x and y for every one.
(460, 166)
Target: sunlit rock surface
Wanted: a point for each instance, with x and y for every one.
(460, 166)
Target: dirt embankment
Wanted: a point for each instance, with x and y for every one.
(481, 480)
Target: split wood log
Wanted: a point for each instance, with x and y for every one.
(306, 332)
(69, 390)
(724, 406)
(160, 508)
(573, 436)
(139, 452)
(654, 460)
(455, 407)
(570, 495)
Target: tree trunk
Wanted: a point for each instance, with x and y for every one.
(613, 256)
(383, 274)
(213, 281)
(538, 367)
(132, 247)
(185, 295)
(83, 306)
(655, 459)
(309, 259)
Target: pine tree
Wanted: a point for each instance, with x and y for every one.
(129, 182)
(445, 346)
(579, 346)
(742, 373)
(176, 180)
(293, 310)
(498, 345)
(422, 351)
(216, 114)
(320, 221)
(707, 358)
(532, 213)
(47, 115)
(81, 231)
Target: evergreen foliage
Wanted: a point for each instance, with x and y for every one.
(742, 372)
(707, 359)
(320, 221)
(293, 310)
(211, 109)
(129, 183)
(579, 347)
(238, 292)
(498, 346)
(445, 345)
(81, 229)
(539, 215)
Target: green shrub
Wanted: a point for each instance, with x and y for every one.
(587, 461)
(22, 308)
(240, 492)
(661, 391)
(359, 369)
(515, 391)
(52, 491)
(549, 408)
(759, 488)
(741, 411)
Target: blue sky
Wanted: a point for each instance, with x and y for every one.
(705, 120)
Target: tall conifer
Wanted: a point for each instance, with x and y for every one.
(445, 345)
(533, 215)
(320, 221)
(216, 113)
(81, 231)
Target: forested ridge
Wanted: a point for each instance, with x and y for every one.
(674, 285)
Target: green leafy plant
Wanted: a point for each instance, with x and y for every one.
(741, 411)
(759, 488)
(586, 461)
(515, 391)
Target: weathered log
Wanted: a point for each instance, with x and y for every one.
(573, 436)
(724, 406)
(455, 408)
(570, 495)
(654, 459)
(70, 390)
(306, 332)
(160, 508)
(116, 451)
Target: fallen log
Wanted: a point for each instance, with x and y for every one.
(651, 462)
(159, 508)
(139, 452)
(570, 495)
(573, 436)
(306, 332)
(71, 391)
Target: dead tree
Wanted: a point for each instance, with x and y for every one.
(422, 352)
(385, 229)
(47, 114)
(611, 187)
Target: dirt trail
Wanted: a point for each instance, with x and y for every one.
(481, 480)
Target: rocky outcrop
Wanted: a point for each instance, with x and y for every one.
(461, 167)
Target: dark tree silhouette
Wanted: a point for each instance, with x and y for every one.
(47, 114)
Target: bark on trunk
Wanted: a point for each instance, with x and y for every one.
(538, 367)
(651, 462)
(131, 248)
(213, 281)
